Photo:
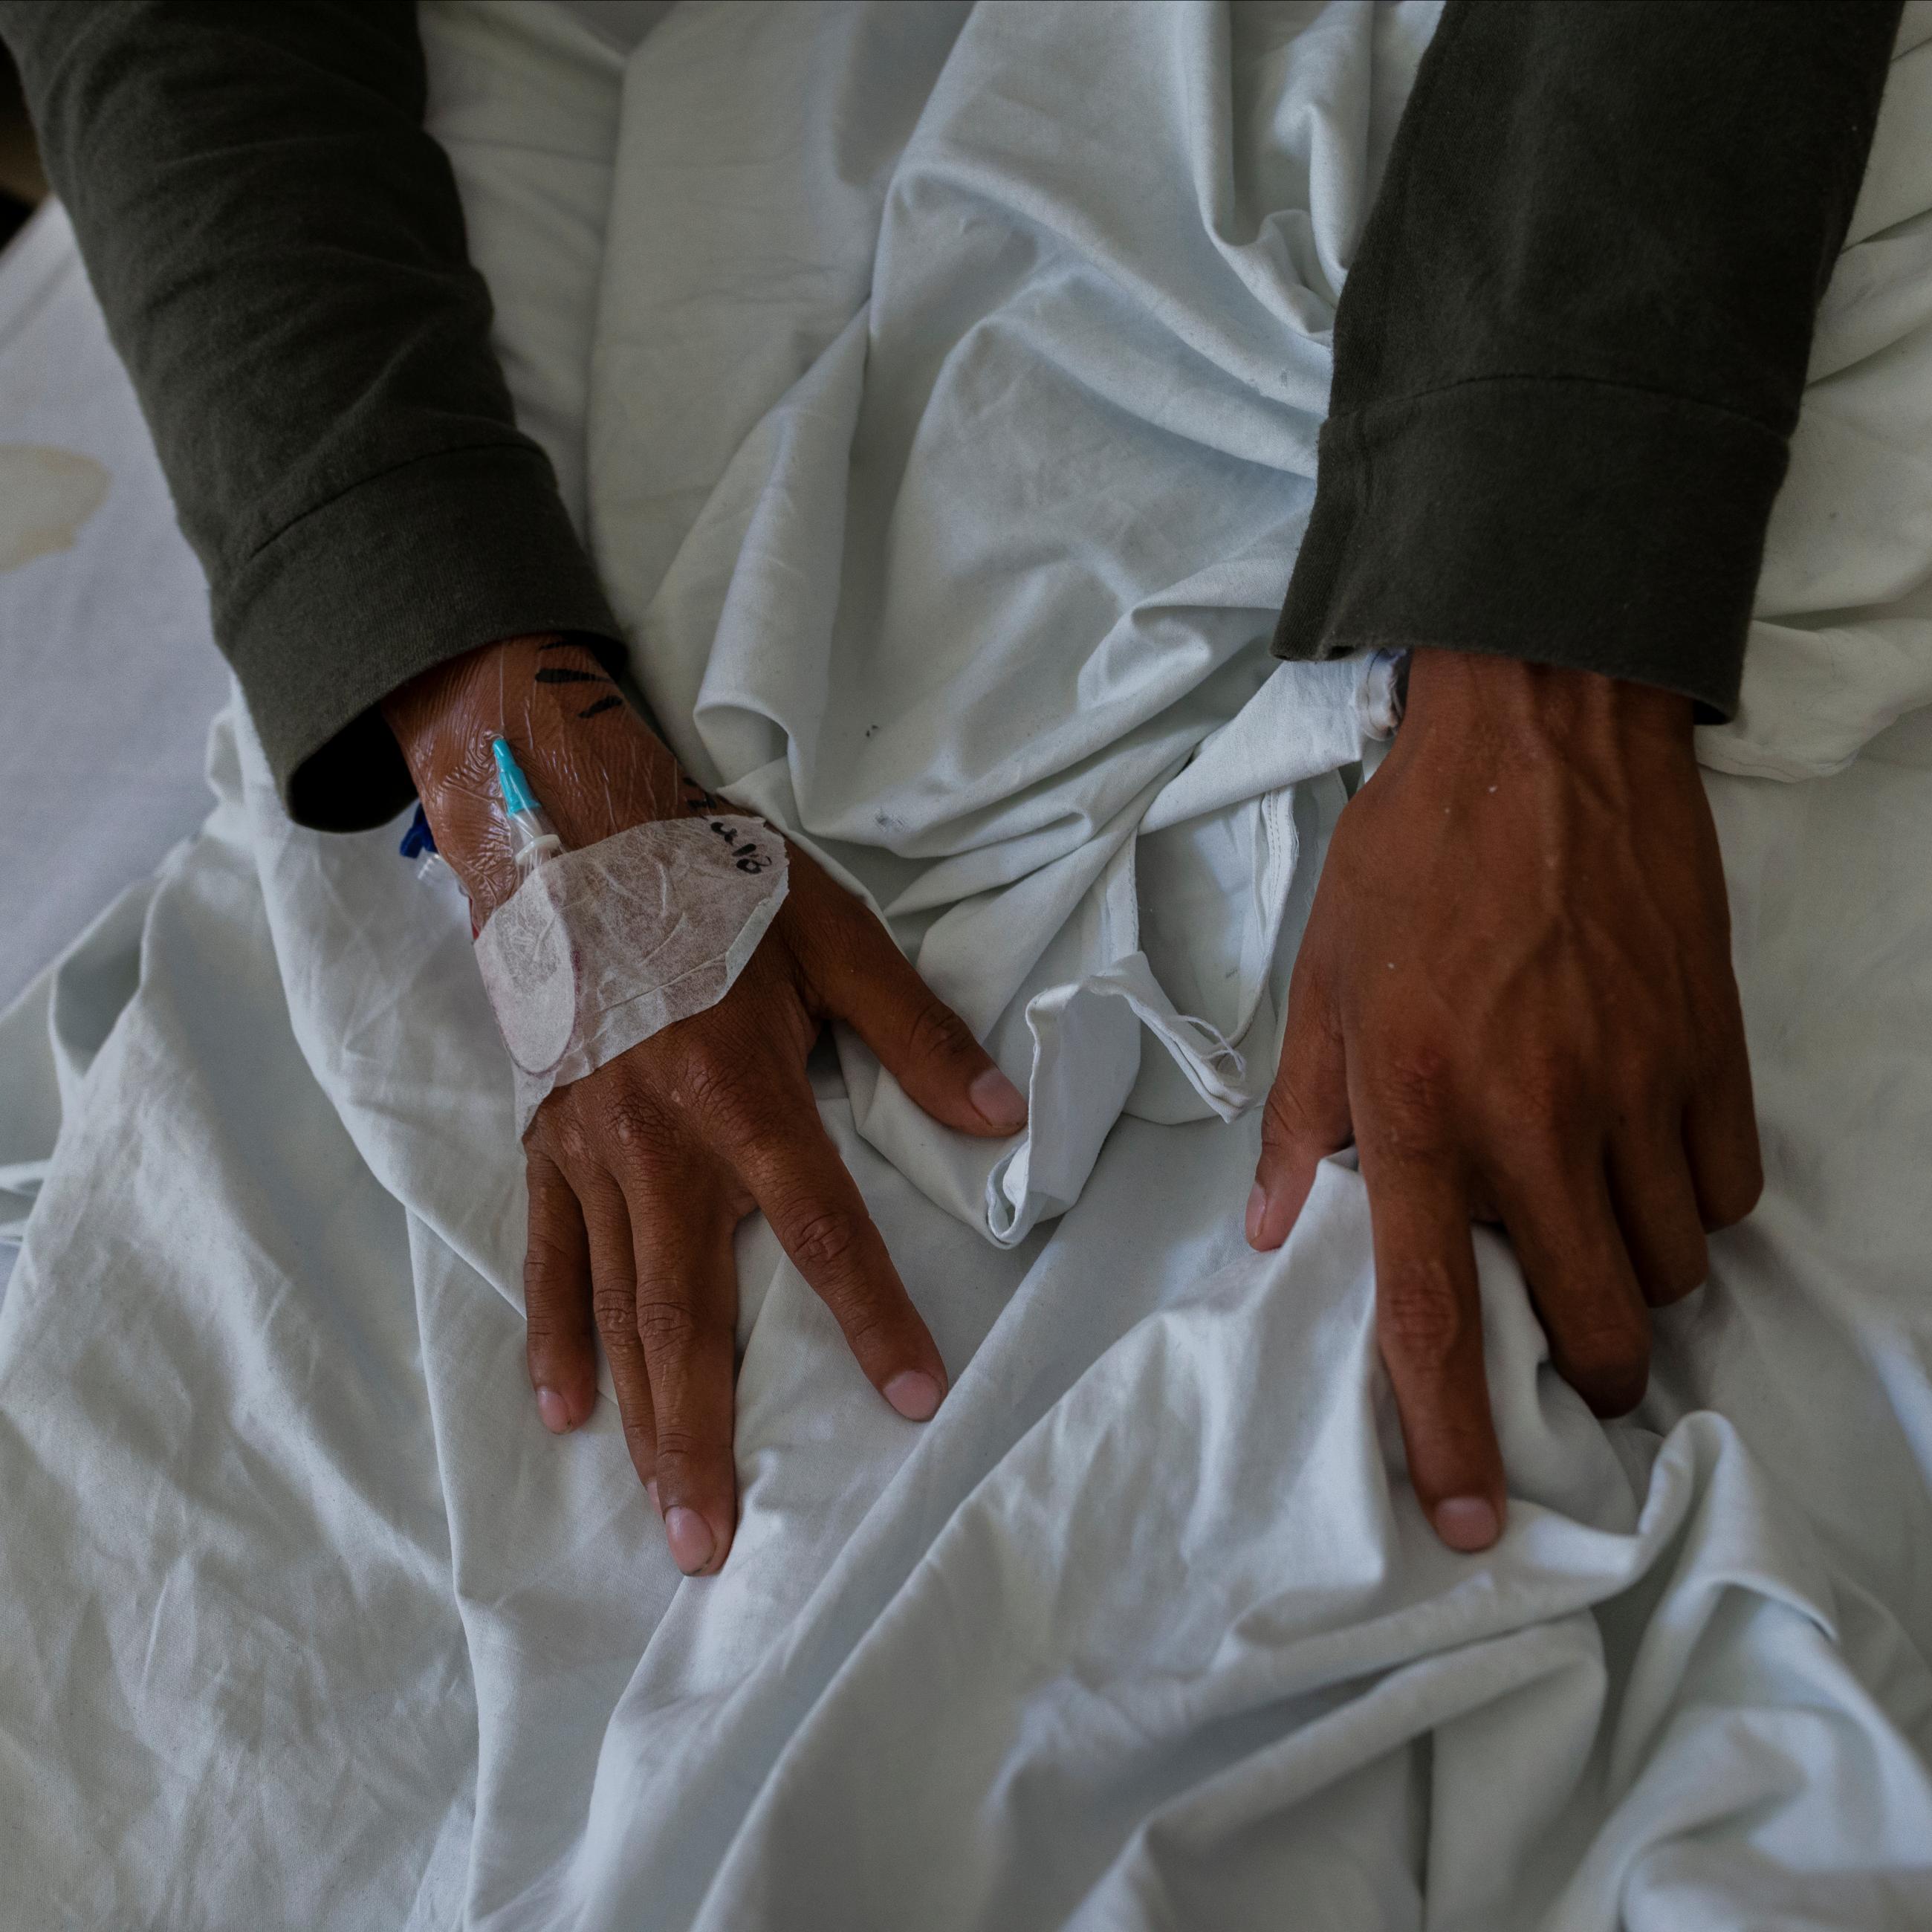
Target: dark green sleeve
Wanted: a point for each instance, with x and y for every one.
(280, 250)
(1571, 351)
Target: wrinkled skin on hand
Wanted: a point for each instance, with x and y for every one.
(639, 1173)
(1515, 997)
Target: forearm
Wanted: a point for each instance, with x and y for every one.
(279, 248)
(1572, 346)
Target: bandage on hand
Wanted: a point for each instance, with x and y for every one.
(639, 1171)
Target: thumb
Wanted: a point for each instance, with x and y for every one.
(1306, 1116)
(930, 1050)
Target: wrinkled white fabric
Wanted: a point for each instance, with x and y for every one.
(948, 448)
(111, 676)
(995, 731)
(1841, 635)
(600, 948)
(1012, 458)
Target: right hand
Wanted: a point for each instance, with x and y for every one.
(639, 1173)
(1515, 997)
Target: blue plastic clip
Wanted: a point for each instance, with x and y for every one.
(419, 838)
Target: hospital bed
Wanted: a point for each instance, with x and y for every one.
(304, 1620)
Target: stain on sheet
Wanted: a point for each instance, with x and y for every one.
(46, 494)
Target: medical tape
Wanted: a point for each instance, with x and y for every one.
(601, 948)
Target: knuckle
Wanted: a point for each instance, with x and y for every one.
(564, 1134)
(677, 1445)
(1411, 1089)
(630, 1122)
(1608, 1363)
(864, 1324)
(1422, 1317)
(1542, 1097)
(1608, 1347)
(615, 1313)
(540, 1325)
(548, 1262)
(828, 1241)
(704, 1084)
(938, 1033)
(716, 1092)
(1643, 1097)
(665, 1327)
(1669, 1274)
(1284, 1116)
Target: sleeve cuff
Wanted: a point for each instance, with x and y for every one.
(1578, 524)
(403, 571)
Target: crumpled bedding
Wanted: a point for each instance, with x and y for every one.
(944, 451)
(112, 678)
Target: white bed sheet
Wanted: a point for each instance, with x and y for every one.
(304, 1620)
(111, 675)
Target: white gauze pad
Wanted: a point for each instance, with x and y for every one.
(603, 947)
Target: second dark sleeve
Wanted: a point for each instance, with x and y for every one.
(1570, 354)
(279, 249)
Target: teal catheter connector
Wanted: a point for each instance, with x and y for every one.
(517, 795)
(536, 839)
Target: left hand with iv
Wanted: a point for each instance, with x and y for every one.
(639, 1171)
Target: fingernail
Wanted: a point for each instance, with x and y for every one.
(651, 1490)
(997, 1101)
(914, 1394)
(1257, 1207)
(553, 1411)
(690, 1537)
(1466, 1522)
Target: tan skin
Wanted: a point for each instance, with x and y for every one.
(1514, 997)
(639, 1173)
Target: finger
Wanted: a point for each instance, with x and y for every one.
(817, 1212)
(1656, 1207)
(559, 1339)
(863, 977)
(1580, 1278)
(614, 1300)
(1720, 1137)
(1429, 1323)
(1306, 1116)
(685, 1315)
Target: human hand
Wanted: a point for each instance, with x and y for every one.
(639, 1172)
(1515, 996)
